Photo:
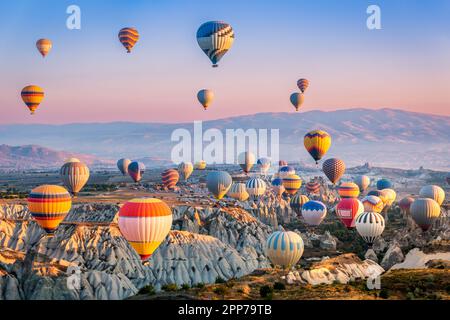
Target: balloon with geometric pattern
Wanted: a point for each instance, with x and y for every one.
(334, 169)
(215, 38)
(303, 84)
(314, 212)
(128, 37)
(370, 225)
(317, 143)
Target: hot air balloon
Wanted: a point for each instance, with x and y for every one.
(136, 170)
(348, 190)
(297, 100)
(44, 46)
(384, 184)
(405, 205)
(49, 206)
(145, 223)
(292, 183)
(284, 248)
(277, 187)
(433, 192)
(128, 37)
(218, 183)
(286, 171)
(334, 169)
(317, 143)
(264, 165)
(123, 164)
(425, 212)
(205, 97)
(238, 191)
(313, 187)
(372, 204)
(388, 196)
(74, 176)
(363, 182)
(186, 169)
(71, 160)
(297, 202)
(256, 187)
(303, 84)
(170, 178)
(215, 38)
(32, 96)
(282, 163)
(246, 160)
(314, 212)
(348, 209)
(201, 165)
(370, 225)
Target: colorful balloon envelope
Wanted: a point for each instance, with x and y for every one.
(284, 248)
(44, 46)
(49, 205)
(186, 169)
(384, 184)
(238, 191)
(292, 183)
(370, 225)
(433, 192)
(74, 176)
(277, 187)
(303, 84)
(136, 170)
(388, 196)
(363, 182)
(32, 96)
(425, 212)
(348, 190)
(128, 37)
(334, 169)
(123, 164)
(215, 38)
(372, 204)
(256, 187)
(205, 97)
(314, 212)
(201, 165)
(246, 160)
(264, 165)
(170, 178)
(405, 205)
(297, 202)
(313, 187)
(348, 209)
(317, 143)
(286, 171)
(145, 223)
(218, 183)
(297, 100)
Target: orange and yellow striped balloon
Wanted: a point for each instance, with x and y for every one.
(317, 143)
(292, 183)
(145, 223)
(128, 37)
(32, 96)
(348, 190)
(49, 206)
(44, 46)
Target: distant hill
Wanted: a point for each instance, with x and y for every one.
(384, 137)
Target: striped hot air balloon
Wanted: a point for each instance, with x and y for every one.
(123, 164)
(277, 187)
(405, 205)
(238, 191)
(32, 96)
(136, 170)
(186, 169)
(370, 225)
(348, 190)
(297, 100)
(170, 178)
(425, 212)
(205, 97)
(372, 204)
(303, 84)
(292, 183)
(314, 212)
(348, 209)
(215, 38)
(145, 223)
(284, 248)
(128, 37)
(297, 202)
(256, 187)
(218, 183)
(286, 171)
(388, 196)
(363, 182)
(313, 187)
(433, 192)
(201, 165)
(74, 176)
(384, 184)
(246, 160)
(49, 206)
(264, 165)
(334, 169)
(44, 46)
(317, 143)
